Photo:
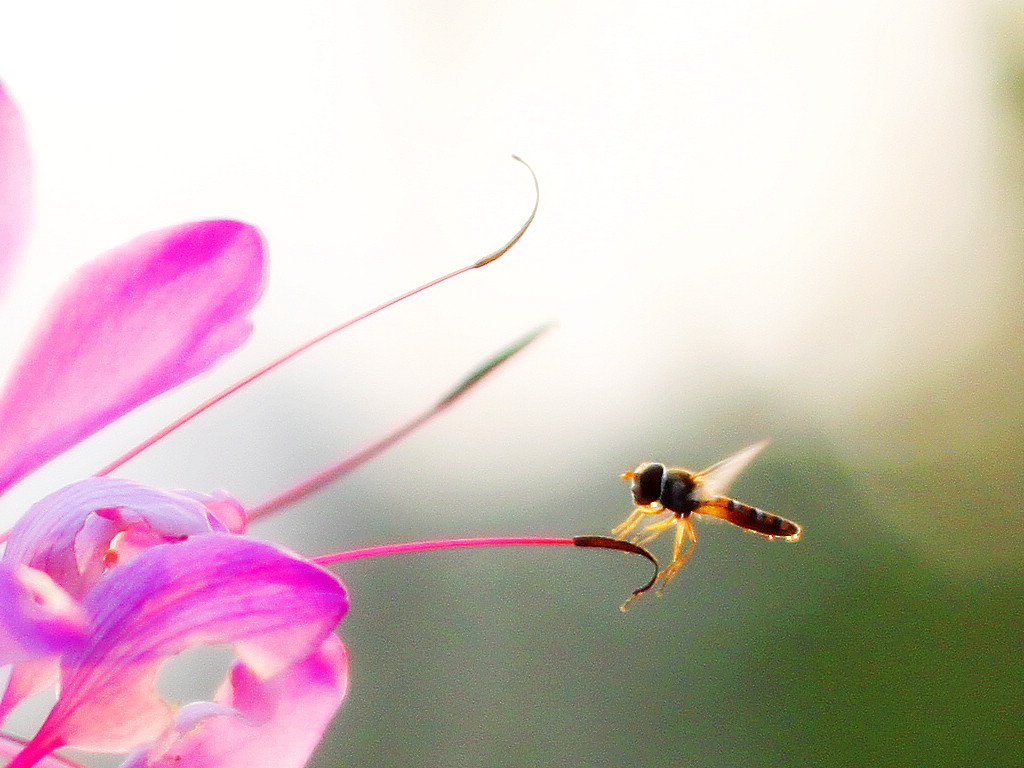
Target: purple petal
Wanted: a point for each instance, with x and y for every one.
(140, 320)
(15, 186)
(213, 589)
(69, 533)
(37, 617)
(257, 723)
(39, 621)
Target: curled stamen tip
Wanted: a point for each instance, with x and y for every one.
(522, 230)
(606, 542)
(625, 606)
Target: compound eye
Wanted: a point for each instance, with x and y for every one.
(647, 483)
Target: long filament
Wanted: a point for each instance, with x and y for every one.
(364, 454)
(325, 335)
(424, 546)
(592, 542)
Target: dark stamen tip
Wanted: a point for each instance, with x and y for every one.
(522, 230)
(475, 377)
(606, 542)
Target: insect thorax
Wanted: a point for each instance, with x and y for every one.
(678, 492)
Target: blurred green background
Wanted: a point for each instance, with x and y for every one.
(757, 220)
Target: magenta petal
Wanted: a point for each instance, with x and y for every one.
(15, 186)
(136, 322)
(68, 534)
(257, 723)
(209, 589)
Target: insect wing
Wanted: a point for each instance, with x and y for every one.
(716, 479)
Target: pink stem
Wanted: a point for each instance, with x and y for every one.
(422, 546)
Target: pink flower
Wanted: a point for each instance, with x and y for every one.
(277, 610)
(72, 538)
(185, 580)
(103, 580)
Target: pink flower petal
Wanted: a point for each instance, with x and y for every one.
(27, 679)
(70, 534)
(15, 186)
(222, 507)
(257, 723)
(136, 322)
(209, 589)
(9, 747)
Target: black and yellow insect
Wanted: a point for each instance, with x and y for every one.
(681, 493)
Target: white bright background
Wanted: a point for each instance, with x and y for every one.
(775, 193)
(755, 218)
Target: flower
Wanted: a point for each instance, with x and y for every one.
(72, 538)
(278, 611)
(172, 576)
(103, 580)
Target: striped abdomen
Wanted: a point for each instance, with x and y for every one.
(751, 518)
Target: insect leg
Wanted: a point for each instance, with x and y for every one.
(654, 530)
(626, 527)
(679, 557)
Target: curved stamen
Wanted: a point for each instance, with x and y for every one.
(606, 542)
(595, 542)
(425, 546)
(327, 334)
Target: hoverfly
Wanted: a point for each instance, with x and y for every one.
(657, 489)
